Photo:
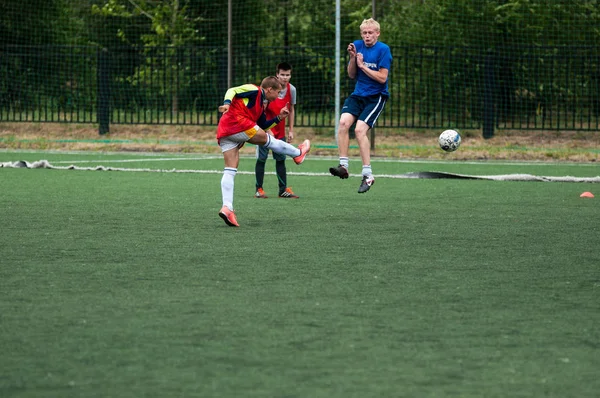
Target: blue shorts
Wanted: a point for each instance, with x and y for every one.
(262, 153)
(366, 109)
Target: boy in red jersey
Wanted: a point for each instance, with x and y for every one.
(287, 97)
(244, 120)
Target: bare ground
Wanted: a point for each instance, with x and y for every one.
(419, 144)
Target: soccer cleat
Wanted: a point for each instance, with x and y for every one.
(304, 150)
(260, 194)
(366, 184)
(339, 171)
(228, 216)
(289, 194)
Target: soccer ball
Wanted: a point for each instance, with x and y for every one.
(449, 140)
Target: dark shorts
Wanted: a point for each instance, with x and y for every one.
(366, 109)
(262, 153)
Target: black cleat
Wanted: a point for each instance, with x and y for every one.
(366, 184)
(339, 171)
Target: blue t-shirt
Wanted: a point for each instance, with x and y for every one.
(375, 57)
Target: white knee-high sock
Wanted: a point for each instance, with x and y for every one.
(366, 170)
(227, 183)
(281, 147)
(344, 161)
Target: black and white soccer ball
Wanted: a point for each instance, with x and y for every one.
(449, 140)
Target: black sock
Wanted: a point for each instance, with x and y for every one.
(281, 175)
(259, 171)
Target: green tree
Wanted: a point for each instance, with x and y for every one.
(32, 22)
(494, 23)
(524, 35)
(162, 23)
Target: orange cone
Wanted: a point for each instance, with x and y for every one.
(586, 195)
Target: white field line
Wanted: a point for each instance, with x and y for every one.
(328, 159)
(501, 177)
(155, 157)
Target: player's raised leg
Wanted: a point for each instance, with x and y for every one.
(343, 142)
(364, 146)
(279, 146)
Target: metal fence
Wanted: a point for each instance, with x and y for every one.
(537, 88)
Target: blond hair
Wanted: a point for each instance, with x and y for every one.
(370, 22)
(271, 82)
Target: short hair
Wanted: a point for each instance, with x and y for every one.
(370, 22)
(271, 82)
(283, 66)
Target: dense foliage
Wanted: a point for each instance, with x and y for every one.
(173, 53)
(299, 22)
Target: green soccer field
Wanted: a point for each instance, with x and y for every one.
(128, 284)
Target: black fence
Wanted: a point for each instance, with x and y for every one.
(537, 88)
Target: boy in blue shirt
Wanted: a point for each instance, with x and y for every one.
(370, 63)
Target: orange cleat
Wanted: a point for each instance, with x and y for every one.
(304, 150)
(260, 194)
(289, 194)
(228, 216)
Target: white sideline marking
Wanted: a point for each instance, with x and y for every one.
(156, 158)
(44, 164)
(328, 159)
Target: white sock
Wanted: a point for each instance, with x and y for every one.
(279, 146)
(366, 171)
(227, 183)
(344, 162)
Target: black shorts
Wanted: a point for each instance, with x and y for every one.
(367, 108)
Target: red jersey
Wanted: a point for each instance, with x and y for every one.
(275, 107)
(246, 110)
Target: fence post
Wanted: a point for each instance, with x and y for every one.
(374, 16)
(103, 104)
(488, 97)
